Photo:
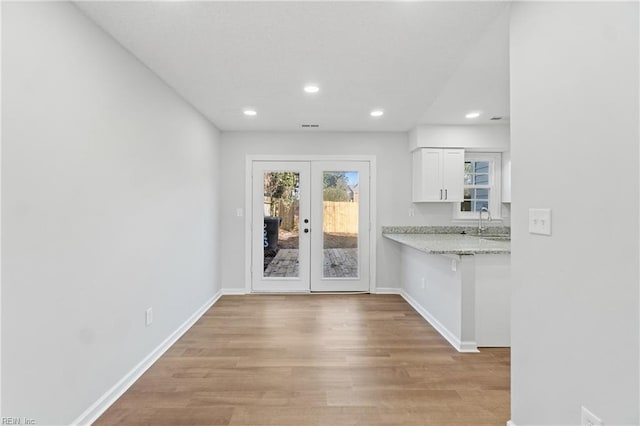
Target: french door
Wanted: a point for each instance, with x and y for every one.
(310, 226)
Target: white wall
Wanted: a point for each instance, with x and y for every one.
(442, 294)
(488, 137)
(574, 146)
(480, 82)
(393, 189)
(109, 206)
(470, 306)
(493, 299)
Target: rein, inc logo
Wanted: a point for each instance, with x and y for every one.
(17, 421)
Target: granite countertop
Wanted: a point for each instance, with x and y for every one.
(450, 240)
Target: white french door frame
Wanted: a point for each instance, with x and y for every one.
(286, 284)
(248, 204)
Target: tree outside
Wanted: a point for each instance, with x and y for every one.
(336, 187)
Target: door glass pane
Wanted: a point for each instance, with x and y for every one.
(280, 229)
(340, 206)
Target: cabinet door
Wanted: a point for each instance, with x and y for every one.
(506, 177)
(453, 174)
(427, 175)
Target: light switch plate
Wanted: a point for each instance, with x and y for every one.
(540, 221)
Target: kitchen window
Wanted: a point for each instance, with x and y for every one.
(481, 185)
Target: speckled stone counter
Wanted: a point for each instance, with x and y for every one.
(449, 240)
(460, 283)
(469, 230)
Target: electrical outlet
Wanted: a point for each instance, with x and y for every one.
(412, 211)
(454, 265)
(239, 212)
(148, 317)
(423, 282)
(589, 419)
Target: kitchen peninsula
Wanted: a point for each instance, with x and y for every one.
(459, 281)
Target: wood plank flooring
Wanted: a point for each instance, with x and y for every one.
(316, 360)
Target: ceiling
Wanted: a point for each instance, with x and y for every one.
(421, 62)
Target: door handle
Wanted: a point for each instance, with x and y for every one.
(446, 196)
(441, 194)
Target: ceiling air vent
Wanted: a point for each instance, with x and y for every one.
(310, 125)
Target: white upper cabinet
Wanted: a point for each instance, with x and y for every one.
(506, 177)
(453, 174)
(438, 175)
(427, 175)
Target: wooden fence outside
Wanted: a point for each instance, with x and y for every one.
(340, 217)
(288, 213)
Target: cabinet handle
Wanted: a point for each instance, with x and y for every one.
(446, 196)
(441, 194)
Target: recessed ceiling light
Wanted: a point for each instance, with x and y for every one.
(250, 112)
(377, 113)
(311, 88)
(474, 114)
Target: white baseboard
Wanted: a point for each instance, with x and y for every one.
(511, 423)
(460, 346)
(233, 291)
(92, 413)
(378, 290)
(388, 290)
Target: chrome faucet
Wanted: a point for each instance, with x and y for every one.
(481, 228)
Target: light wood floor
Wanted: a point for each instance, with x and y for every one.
(316, 360)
